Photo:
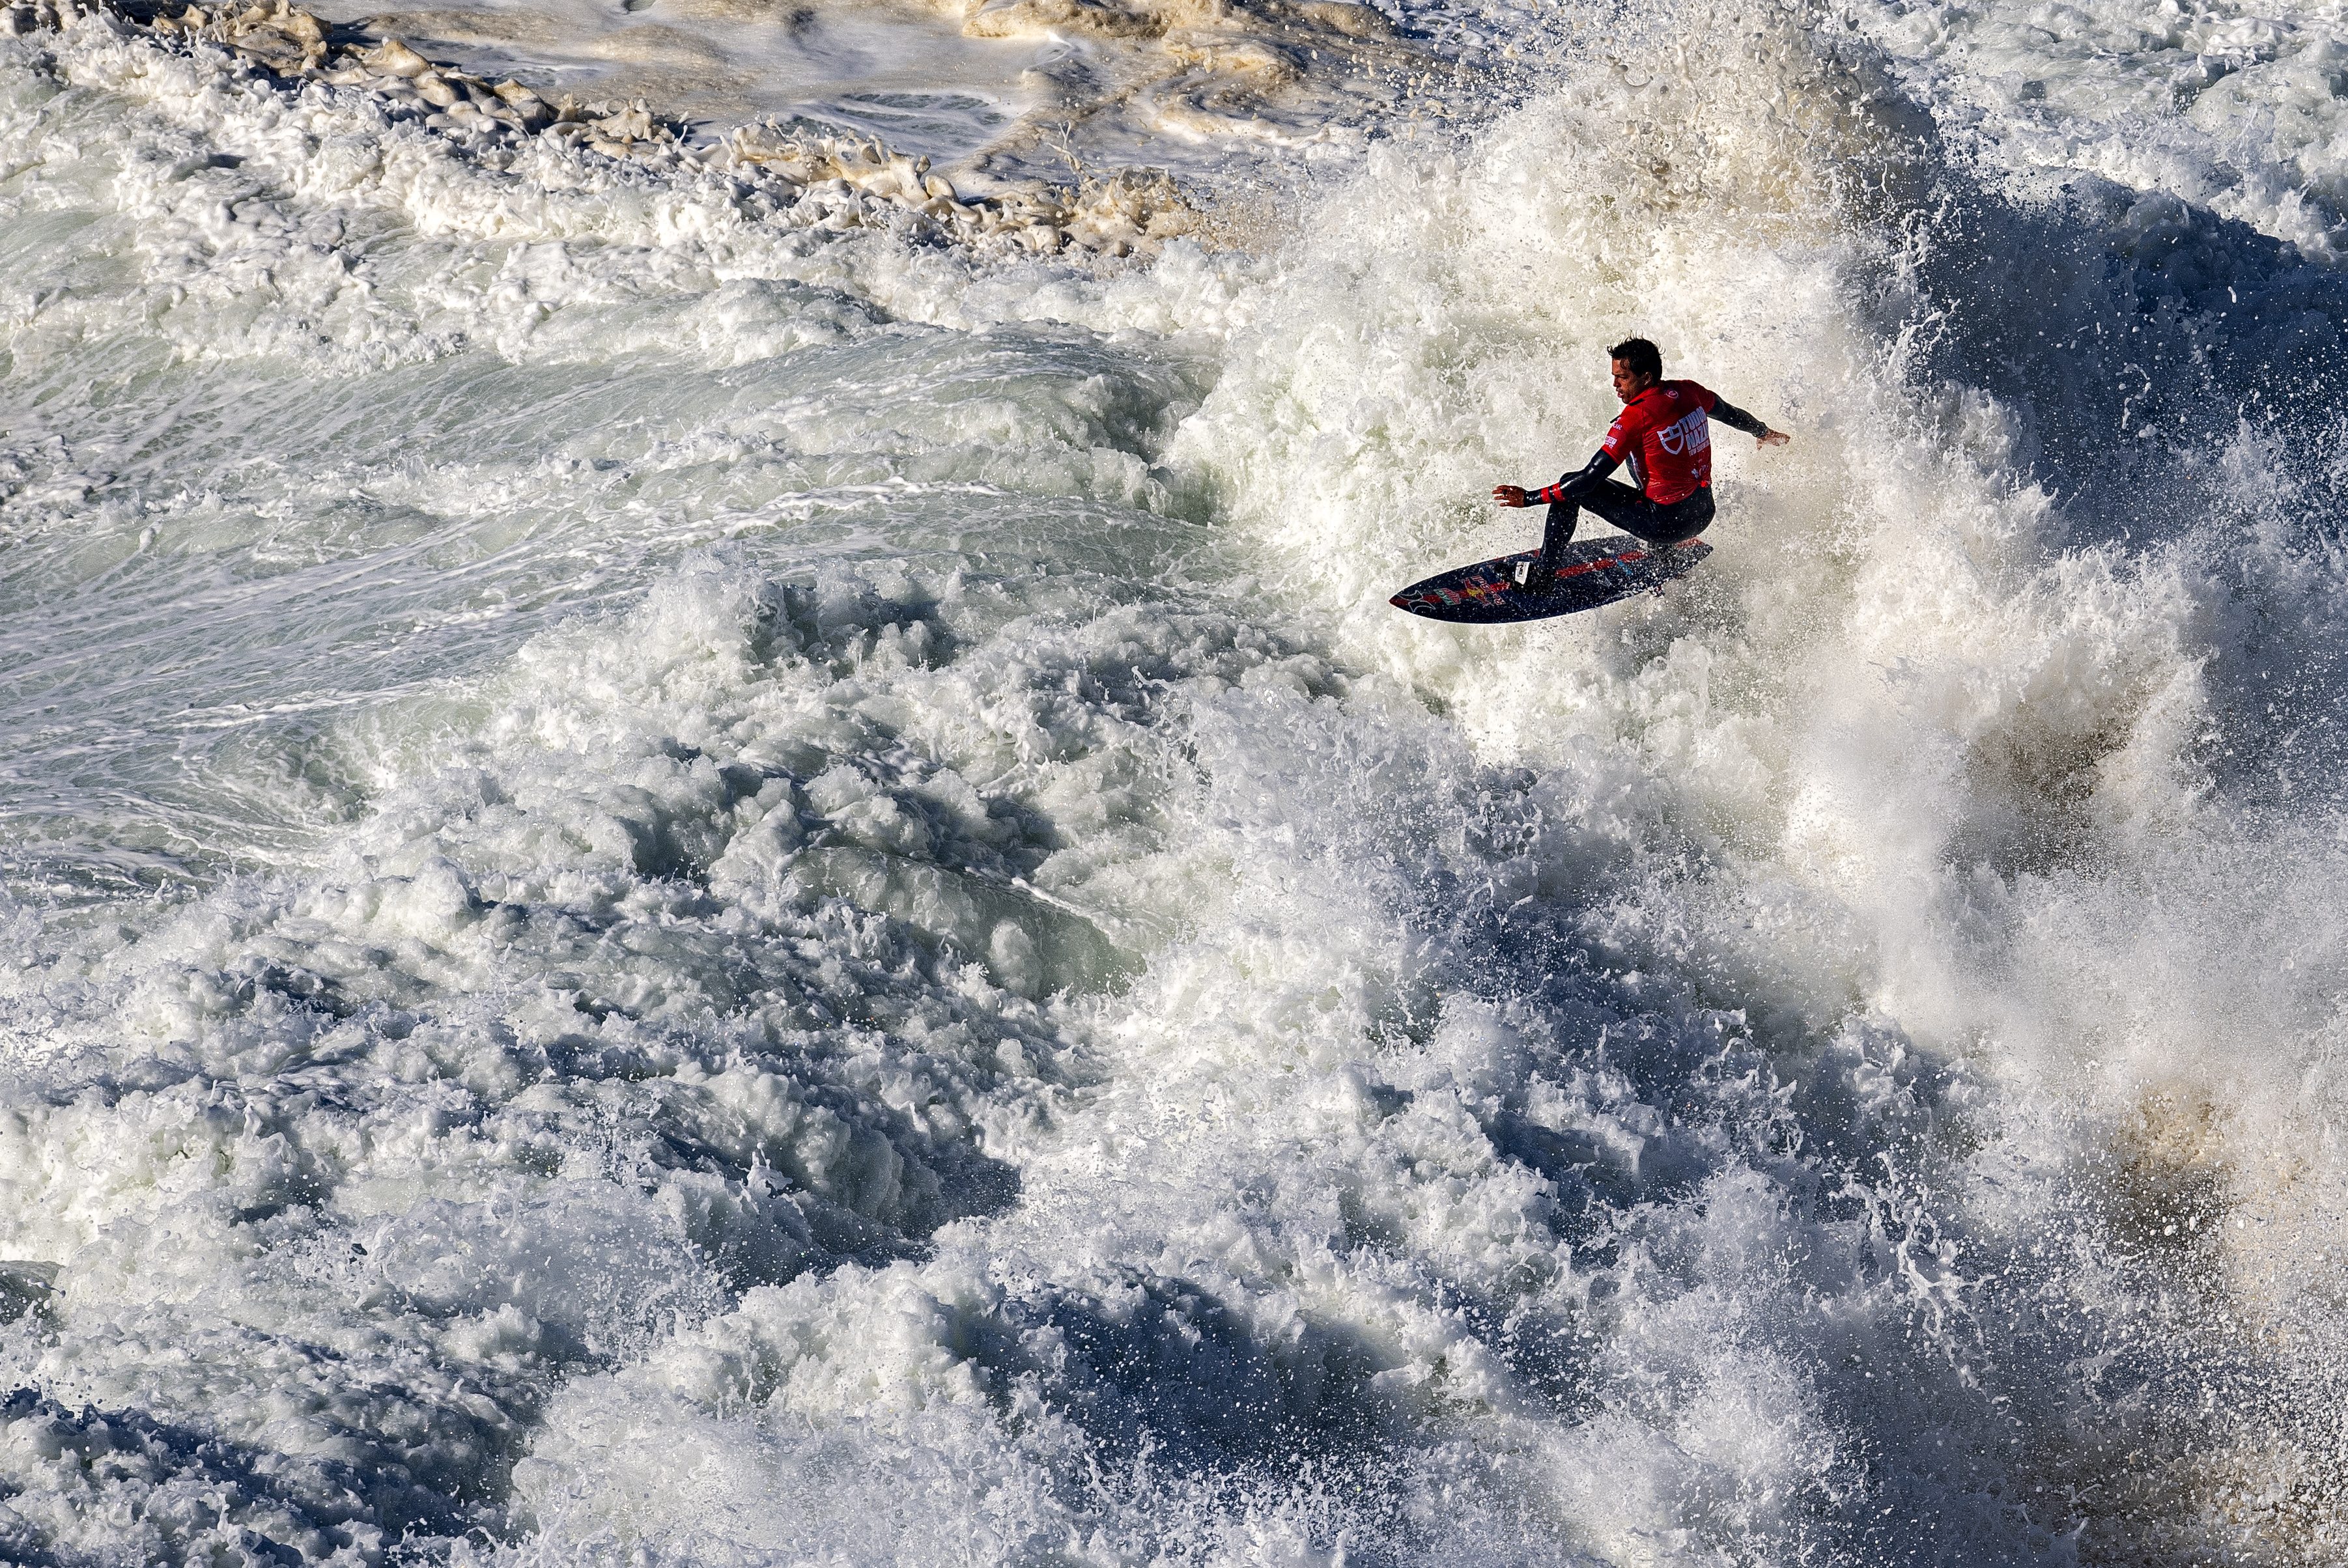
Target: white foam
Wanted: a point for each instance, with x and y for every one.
(814, 912)
(2229, 107)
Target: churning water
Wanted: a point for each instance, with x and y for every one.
(689, 886)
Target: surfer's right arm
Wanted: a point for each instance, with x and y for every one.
(1736, 418)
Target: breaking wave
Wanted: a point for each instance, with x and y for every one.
(692, 882)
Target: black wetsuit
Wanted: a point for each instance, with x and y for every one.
(1630, 510)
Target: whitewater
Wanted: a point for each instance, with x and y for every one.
(709, 858)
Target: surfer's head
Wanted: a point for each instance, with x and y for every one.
(1638, 366)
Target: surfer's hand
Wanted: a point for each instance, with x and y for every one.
(1509, 494)
(1772, 438)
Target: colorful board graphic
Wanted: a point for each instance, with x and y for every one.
(1593, 572)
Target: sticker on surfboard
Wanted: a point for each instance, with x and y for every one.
(1591, 572)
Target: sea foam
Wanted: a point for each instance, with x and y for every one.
(695, 884)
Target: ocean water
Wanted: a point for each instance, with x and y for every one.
(683, 885)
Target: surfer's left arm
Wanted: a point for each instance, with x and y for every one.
(1736, 418)
(1597, 468)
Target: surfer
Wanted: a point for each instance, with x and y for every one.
(1663, 433)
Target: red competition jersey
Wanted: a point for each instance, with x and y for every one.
(1664, 434)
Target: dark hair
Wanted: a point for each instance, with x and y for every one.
(1640, 357)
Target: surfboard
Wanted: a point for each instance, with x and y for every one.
(1592, 572)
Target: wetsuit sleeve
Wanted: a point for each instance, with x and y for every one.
(1597, 468)
(1619, 436)
(1736, 418)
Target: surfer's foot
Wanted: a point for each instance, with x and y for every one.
(1538, 577)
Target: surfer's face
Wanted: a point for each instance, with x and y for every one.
(1629, 383)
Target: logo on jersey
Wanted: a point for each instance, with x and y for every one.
(1687, 436)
